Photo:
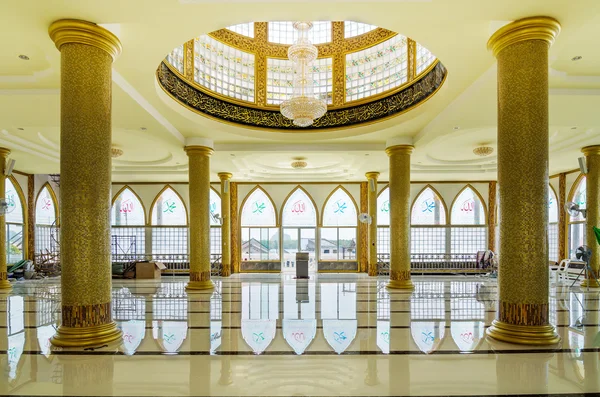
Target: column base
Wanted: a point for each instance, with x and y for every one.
(400, 284)
(199, 285)
(86, 336)
(538, 335)
(590, 283)
(5, 286)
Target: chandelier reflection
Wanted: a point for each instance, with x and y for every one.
(303, 108)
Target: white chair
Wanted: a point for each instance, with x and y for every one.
(561, 271)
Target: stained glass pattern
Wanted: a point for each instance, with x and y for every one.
(215, 208)
(245, 29)
(175, 58)
(352, 29)
(224, 69)
(258, 210)
(127, 210)
(467, 209)
(14, 203)
(299, 210)
(579, 198)
(428, 209)
(383, 207)
(340, 210)
(377, 69)
(424, 58)
(280, 80)
(552, 206)
(283, 32)
(45, 209)
(169, 210)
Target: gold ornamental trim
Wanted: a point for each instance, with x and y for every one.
(400, 149)
(224, 176)
(535, 335)
(591, 150)
(196, 149)
(75, 31)
(533, 28)
(4, 152)
(372, 175)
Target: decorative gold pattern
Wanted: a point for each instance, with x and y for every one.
(199, 220)
(372, 228)
(235, 228)
(86, 99)
(522, 145)
(86, 316)
(363, 229)
(492, 213)
(400, 216)
(592, 158)
(412, 64)
(562, 217)
(225, 177)
(377, 110)
(4, 283)
(188, 60)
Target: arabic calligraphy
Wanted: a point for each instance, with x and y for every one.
(468, 205)
(428, 206)
(128, 338)
(126, 206)
(298, 207)
(258, 337)
(339, 336)
(385, 207)
(169, 207)
(467, 336)
(46, 204)
(340, 207)
(428, 337)
(298, 336)
(258, 208)
(386, 336)
(169, 338)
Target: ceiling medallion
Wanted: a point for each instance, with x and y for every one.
(115, 152)
(299, 163)
(483, 151)
(303, 108)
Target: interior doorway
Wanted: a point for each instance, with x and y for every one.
(298, 239)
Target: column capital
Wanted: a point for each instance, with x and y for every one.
(225, 176)
(593, 150)
(4, 152)
(532, 28)
(67, 31)
(372, 175)
(399, 149)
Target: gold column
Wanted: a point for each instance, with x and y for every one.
(226, 225)
(363, 230)
(592, 160)
(235, 228)
(4, 283)
(199, 151)
(521, 48)
(400, 215)
(492, 212)
(31, 217)
(87, 54)
(562, 217)
(372, 234)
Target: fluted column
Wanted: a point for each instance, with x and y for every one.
(4, 283)
(226, 225)
(199, 151)
(521, 48)
(87, 54)
(399, 152)
(592, 159)
(372, 234)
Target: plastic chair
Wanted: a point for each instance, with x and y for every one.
(561, 271)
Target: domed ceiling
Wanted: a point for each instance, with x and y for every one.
(241, 74)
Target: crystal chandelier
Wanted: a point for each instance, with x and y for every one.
(303, 108)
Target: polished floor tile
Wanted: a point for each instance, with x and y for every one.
(273, 335)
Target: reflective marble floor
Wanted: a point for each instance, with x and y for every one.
(271, 335)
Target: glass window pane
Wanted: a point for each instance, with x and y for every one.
(428, 209)
(283, 32)
(552, 206)
(329, 244)
(215, 208)
(383, 207)
(258, 210)
(245, 29)
(339, 210)
(468, 209)
(14, 243)
(175, 58)
(45, 210)
(280, 80)
(424, 58)
(127, 210)
(352, 29)
(169, 209)
(299, 210)
(580, 198)
(347, 244)
(15, 207)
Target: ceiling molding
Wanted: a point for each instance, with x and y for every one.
(25, 91)
(144, 163)
(482, 160)
(30, 145)
(48, 142)
(300, 148)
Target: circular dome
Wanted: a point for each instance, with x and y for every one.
(242, 74)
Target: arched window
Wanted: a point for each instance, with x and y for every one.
(338, 232)
(577, 223)
(552, 225)
(128, 220)
(383, 223)
(14, 221)
(214, 209)
(428, 223)
(169, 226)
(299, 223)
(260, 235)
(467, 216)
(46, 211)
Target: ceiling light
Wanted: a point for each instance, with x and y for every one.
(483, 151)
(303, 108)
(143, 128)
(21, 128)
(576, 58)
(456, 128)
(573, 128)
(24, 57)
(115, 152)
(299, 163)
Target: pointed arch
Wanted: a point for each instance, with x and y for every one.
(455, 212)
(301, 215)
(19, 215)
(340, 209)
(383, 206)
(553, 210)
(244, 210)
(179, 218)
(417, 219)
(128, 208)
(577, 194)
(50, 204)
